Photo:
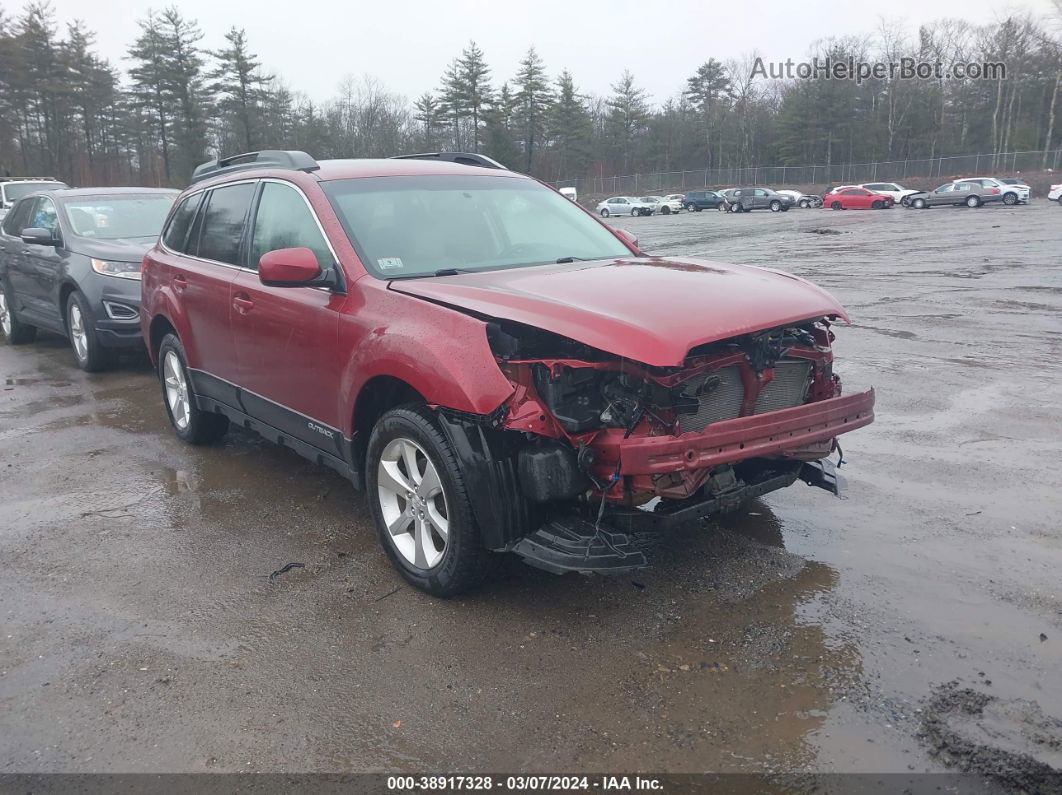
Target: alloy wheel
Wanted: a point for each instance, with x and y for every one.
(176, 390)
(413, 503)
(78, 334)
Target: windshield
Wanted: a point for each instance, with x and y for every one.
(114, 217)
(415, 226)
(16, 190)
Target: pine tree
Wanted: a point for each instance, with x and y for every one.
(452, 105)
(429, 114)
(627, 117)
(474, 77)
(706, 89)
(184, 79)
(499, 142)
(533, 101)
(570, 128)
(150, 90)
(240, 86)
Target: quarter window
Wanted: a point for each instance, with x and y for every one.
(223, 223)
(284, 221)
(176, 234)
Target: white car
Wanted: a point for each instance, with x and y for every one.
(14, 188)
(1012, 194)
(1018, 183)
(899, 193)
(1056, 194)
(570, 193)
(625, 205)
(665, 205)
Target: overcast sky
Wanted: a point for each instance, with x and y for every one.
(407, 44)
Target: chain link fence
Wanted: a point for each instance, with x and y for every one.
(1001, 163)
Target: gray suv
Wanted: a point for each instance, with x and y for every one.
(743, 200)
(70, 264)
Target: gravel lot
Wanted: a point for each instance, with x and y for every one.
(139, 629)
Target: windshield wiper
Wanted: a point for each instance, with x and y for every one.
(452, 271)
(568, 259)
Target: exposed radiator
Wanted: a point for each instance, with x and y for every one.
(719, 395)
(789, 387)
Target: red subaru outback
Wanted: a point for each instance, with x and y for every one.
(500, 370)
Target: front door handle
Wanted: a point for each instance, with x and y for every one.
(243, 304)
(179, 282)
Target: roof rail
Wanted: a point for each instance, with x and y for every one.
(28, 179)
(294, 160)
(464, 158)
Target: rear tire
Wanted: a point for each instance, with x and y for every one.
(973, 201)
(190, 423)
(423, 517)
(89, 354)
(14, 330)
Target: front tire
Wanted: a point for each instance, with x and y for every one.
(14, 330)
(1010, 198)
(835, 206)
(875, 205)
(89, 354)
(419, 503)
(190, 423)
(776, 206)
(804, 204)
(665, 210)
(691, 207)
(605, 213)
(919, 204)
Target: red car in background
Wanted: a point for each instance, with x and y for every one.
(857, 199)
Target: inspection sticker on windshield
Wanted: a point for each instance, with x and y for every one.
(389, 263)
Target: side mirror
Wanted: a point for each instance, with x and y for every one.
(289, 267)
(626, 236)
(39, 237)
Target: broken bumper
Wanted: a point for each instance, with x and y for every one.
(756, 436)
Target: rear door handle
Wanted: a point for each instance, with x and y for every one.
(243, 304)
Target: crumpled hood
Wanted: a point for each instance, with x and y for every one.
(651, 310)
(126, 249)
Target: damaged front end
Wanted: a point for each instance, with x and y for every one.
(591, 450)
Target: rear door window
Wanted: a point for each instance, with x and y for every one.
(223, 223)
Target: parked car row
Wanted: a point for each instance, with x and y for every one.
(517, 376)
(969, 191)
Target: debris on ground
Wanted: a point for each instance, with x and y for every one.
(286, 569)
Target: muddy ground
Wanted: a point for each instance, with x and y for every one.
(140, 631)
